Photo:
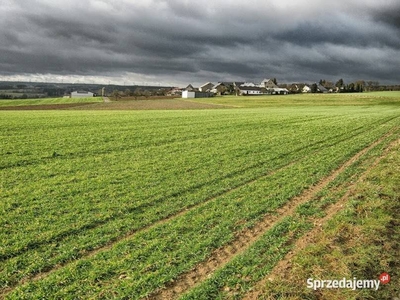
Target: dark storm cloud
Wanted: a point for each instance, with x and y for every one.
(207, 41)
(308, 33)
(389, 15)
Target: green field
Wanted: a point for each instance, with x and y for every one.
(122, 204)
(296, 100)
(48, 101)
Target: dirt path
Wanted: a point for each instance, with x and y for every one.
(284, 266)
(247, 237)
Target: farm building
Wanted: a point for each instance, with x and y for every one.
(81, 94)
(189, 94)
(250, 90)
(280, 91)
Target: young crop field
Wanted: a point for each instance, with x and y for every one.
(192, 204)
(53, 103)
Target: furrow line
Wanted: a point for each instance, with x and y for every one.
(129, 235)
(247, 237)
(232, 250)
(284, 265)
(141, 207)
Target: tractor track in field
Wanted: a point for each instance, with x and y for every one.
(112, 242)
(61, 236)
(242, 242)
(247, 237)
(283, 267)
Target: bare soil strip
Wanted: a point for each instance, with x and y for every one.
(284, 266)
(247, 237)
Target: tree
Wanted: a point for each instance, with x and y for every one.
(314, 88)
(115, 94)
(274, 81)
(137, 93)
(128, 92)
(360, 86)
(147, 94)
(339, 83)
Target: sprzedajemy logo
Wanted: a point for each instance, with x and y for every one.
(345, 283)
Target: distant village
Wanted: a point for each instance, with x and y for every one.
(28, 90)
(270, 87)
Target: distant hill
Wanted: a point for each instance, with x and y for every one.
(25, 90)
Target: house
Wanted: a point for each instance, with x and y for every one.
(268, 83)
(250, 90)
(321, 89)
(175, 92)
(329, 85)
(279, 91)
(306, 88)
(218, 89)
(81, 94)
(314, 88)
(295, 87)
(190, 88)
(206, 87)
(248, 84)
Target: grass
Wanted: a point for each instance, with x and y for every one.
(118, 203)
(362, 241)
(297, 100)
(239, 276)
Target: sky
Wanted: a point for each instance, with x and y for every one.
(177, 42)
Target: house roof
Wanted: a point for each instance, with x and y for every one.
(81, 92)
(266, 80)
(208, 83)
(248, 84)
(190, 88)
(249, 88)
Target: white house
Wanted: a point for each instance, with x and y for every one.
(280, 91)
(81, 94)
(250, 90)
(248, 84)
(306, 89)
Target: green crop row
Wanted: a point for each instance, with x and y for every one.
(103, 221)
(240, 275)
(43, 101)
(152, 257)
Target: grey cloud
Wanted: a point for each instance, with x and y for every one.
(183, 40)
(389, 15)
